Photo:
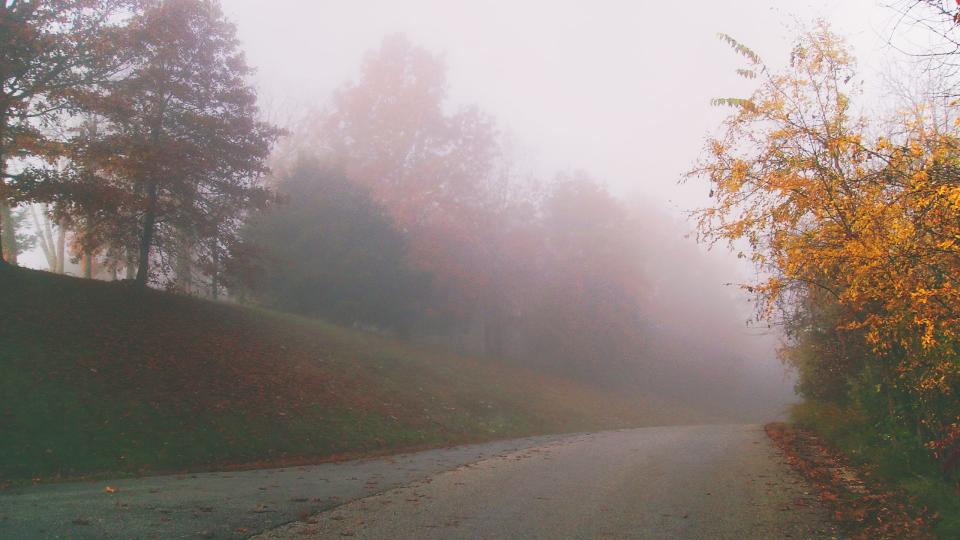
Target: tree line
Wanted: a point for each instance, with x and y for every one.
(132, 143)
(402, 211)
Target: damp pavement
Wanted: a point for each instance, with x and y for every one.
(235, 504)
(716, 481)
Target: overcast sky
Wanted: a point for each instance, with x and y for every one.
(619, 88)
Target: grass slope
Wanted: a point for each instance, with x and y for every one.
(102, 378)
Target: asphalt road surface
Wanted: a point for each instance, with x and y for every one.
(664, 482)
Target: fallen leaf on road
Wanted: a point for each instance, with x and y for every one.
(261, 509)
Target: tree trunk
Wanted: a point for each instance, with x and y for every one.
(129, 270)
(86, 263)
(61, 246)
(184, 262)
(3, 183)
(46, 237)
(48, 234)
(146, 237)
(3, 261)
(215, 271)
(8, 234)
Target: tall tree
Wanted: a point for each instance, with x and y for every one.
(52, 49)
(587, 289)
(182, 130)
(392, 132)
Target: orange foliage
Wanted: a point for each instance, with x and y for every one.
(872, 221)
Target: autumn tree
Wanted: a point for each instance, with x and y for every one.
(391, 131)
(826, 203)
(52, 50)
(180, 137)
(430, 168)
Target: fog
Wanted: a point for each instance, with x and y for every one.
(617, 91)
(621, 89)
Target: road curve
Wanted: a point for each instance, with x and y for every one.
(665, 482)
(221, 505)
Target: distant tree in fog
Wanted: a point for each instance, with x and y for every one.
(332, 252)
(515, 276)
(392, 131)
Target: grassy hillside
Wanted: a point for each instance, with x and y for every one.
(100, 377)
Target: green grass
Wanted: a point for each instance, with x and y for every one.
(102, 378)
(896, 459)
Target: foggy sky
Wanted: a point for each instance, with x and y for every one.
(618, 88)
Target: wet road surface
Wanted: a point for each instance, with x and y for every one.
(663, 482)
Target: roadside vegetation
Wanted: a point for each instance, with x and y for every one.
(852, 222)
(890, 457)
(863, 505)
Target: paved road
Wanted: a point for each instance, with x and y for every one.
(220, 505)
(668, 482)
(674, 482)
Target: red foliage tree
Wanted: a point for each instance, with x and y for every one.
(391, 132)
